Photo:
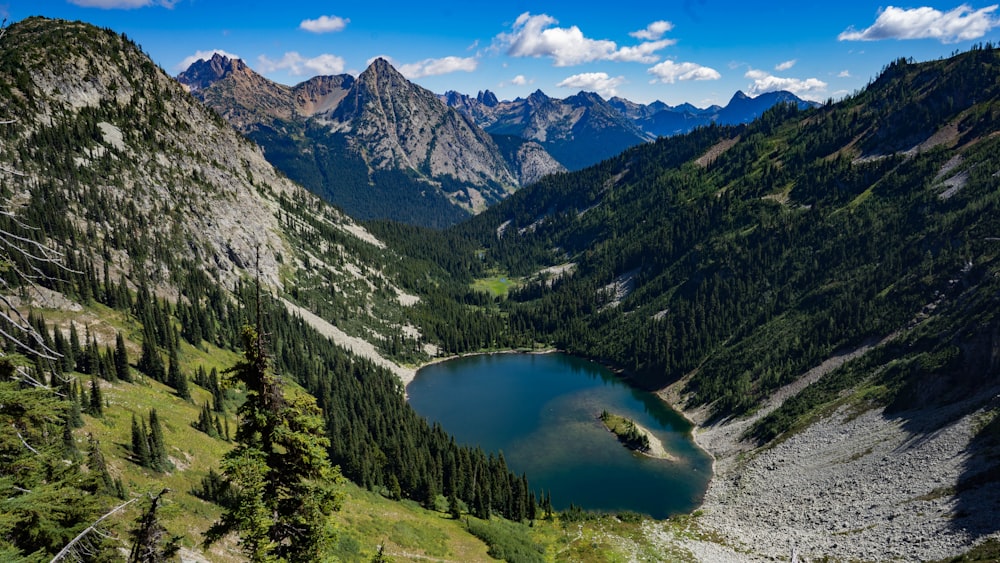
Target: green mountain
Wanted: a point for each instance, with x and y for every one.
(769, 276)
(144, 222)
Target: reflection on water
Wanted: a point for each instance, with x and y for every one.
(541, 410)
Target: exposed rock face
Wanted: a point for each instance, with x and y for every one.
(237, 93)
(321, 94)
(577, 131)
(398, 124)
(533, 162)
(387, 123)
(191, 188)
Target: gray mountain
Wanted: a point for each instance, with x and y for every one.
(577, 131)
(379, 146)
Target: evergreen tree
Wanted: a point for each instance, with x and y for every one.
(150, 543)
(96, 403)
(175, 378)
(157, 447)
(44, 500)
(69, 442)
(62, 348)
(75, 350)
(150, 362)
(122, 371)
(75, 415)
(140, 443)
(284, 483)
(98, 466)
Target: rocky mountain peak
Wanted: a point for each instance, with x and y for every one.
(538, 97)
(203, 73)
(488, 99)
(739, 95)
(399, 125)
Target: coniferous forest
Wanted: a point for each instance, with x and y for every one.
(730, 260)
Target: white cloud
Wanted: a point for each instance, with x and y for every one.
(641, 53)
(536, 36)
(807, 89)
(202, 55)
(669, 72)
(435, 67)
(297, 65)
(519, 80)
(961, 24)
(844, 74)
(123, 4)
(653, 31)
(325, 24)
(598, 82)
(785, 65)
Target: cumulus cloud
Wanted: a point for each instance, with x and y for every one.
(961, 24)
(325, 24)
(844, 74)
(669, 72)
(202, 56)
(519, 80)
(598, 82)
(435, 67)
(537, 36)
(123, 4)
(297, 65)
(785, 65)
(807, 89)
(641, 53)
(653, 31)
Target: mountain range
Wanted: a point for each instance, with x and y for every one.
(817, 290)
(360, 143)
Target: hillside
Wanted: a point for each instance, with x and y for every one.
(790, 275)
(160, 219)
(817, 290)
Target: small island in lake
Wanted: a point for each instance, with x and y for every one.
(634, 437)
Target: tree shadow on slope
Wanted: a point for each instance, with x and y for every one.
(977, 491)
(935, 399)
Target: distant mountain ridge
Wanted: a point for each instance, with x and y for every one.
(578, 131)
(377, 145)
(381, 146)
(584, 129)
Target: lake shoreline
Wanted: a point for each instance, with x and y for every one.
(678, 487)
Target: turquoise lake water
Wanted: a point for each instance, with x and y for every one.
(541, 411)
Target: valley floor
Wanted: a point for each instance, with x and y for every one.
(852, 486)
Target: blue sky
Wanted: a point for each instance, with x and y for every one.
(697, 51)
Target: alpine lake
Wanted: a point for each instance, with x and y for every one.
(542, 412)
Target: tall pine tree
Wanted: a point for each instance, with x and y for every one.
(284, 483)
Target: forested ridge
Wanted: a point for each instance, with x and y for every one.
(109, 185)
(742, 268)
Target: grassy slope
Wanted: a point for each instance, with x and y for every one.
(367, 519)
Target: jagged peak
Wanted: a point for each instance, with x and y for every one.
(487, 98)
(203, 73)
(379, 66)
(586, 96)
